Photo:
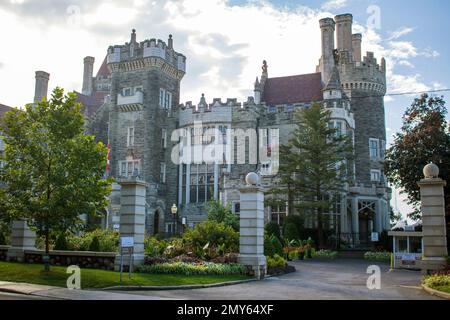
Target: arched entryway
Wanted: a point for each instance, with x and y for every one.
(156, 223)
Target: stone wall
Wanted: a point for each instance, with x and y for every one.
(84, 259)
(3, 252)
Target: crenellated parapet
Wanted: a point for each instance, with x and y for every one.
(216, 112)
(366, 75)
(148, 53)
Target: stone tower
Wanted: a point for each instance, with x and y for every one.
(145, 88)
(364, 82)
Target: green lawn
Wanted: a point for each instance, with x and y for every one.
(443, 289)
(93, 278)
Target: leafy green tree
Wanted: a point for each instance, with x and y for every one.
(272, 228)
(424, 138)
(53, 172)
(219, 213)
(315, 164)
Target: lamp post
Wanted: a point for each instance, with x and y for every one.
(174, 210)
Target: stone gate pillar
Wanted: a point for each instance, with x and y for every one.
(433, 219)
(132, 218)
(251, 242)
(22, 238)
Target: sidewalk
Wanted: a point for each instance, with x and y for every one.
(59, 293)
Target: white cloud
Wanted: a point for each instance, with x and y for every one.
(224, 44)
(400, 32)
(334, 4)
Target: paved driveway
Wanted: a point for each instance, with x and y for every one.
(318, 280)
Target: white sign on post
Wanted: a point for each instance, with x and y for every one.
(126, 242)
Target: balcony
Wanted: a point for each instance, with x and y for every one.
(134, 102)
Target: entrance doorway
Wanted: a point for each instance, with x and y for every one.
(156, 223)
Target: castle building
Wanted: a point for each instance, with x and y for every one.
(133, 106)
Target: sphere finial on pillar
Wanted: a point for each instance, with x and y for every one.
(431, 171)
(252, 179)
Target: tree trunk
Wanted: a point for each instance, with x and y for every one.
(47, 252)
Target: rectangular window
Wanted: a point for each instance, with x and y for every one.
(168, 101)
(383, 149)
(162, 97)
(129, 167)
(163, 138)
(130, 137)
(374, 148)
(375, 175)
(162, 177)
(127, 92)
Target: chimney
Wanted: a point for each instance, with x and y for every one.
(88, 76)
(41, 88)
(327, 26)
(344, 32)
(356, 44)
(170, 42)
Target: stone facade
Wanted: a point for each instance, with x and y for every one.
(142, 110)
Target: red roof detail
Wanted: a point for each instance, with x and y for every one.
(4, 109)
(293, 89)
(91, 103)
(103, 71)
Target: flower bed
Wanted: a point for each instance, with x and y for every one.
(193, 268)
(325, 254)
(440, 282)
(377, 255)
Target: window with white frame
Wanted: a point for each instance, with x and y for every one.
(128, 167)
(162, 95)
(170, 227)
(162, 175)
(126, 92)
(375, 175)
(165, 99)
(168, 101)
(374, 148)
(383, 149)
(163, 138)
(130, 137)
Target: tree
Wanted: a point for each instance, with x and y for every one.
(219, 213)
(53, 172)
(314, 165)
(424, 138)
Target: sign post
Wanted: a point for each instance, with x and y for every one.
(126, 243)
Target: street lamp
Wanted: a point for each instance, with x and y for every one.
(174, 210)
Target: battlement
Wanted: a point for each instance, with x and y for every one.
(150, 48)
(203, 106)
(365, 75)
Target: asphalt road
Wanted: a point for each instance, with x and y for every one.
(315, 280)
(13, 296)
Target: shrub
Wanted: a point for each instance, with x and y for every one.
(95, 244)
(193, 269)
(435, 281)
(269, 249)
(326, 254)
(106, 241)
(275, 262)
(209, 235)
(218, 213)
(377, 255)
(61, 242)
(272, 228)
(290, 231)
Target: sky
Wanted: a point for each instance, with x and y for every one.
(225, 43)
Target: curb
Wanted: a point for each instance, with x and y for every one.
(434, 292)
(183, 287)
